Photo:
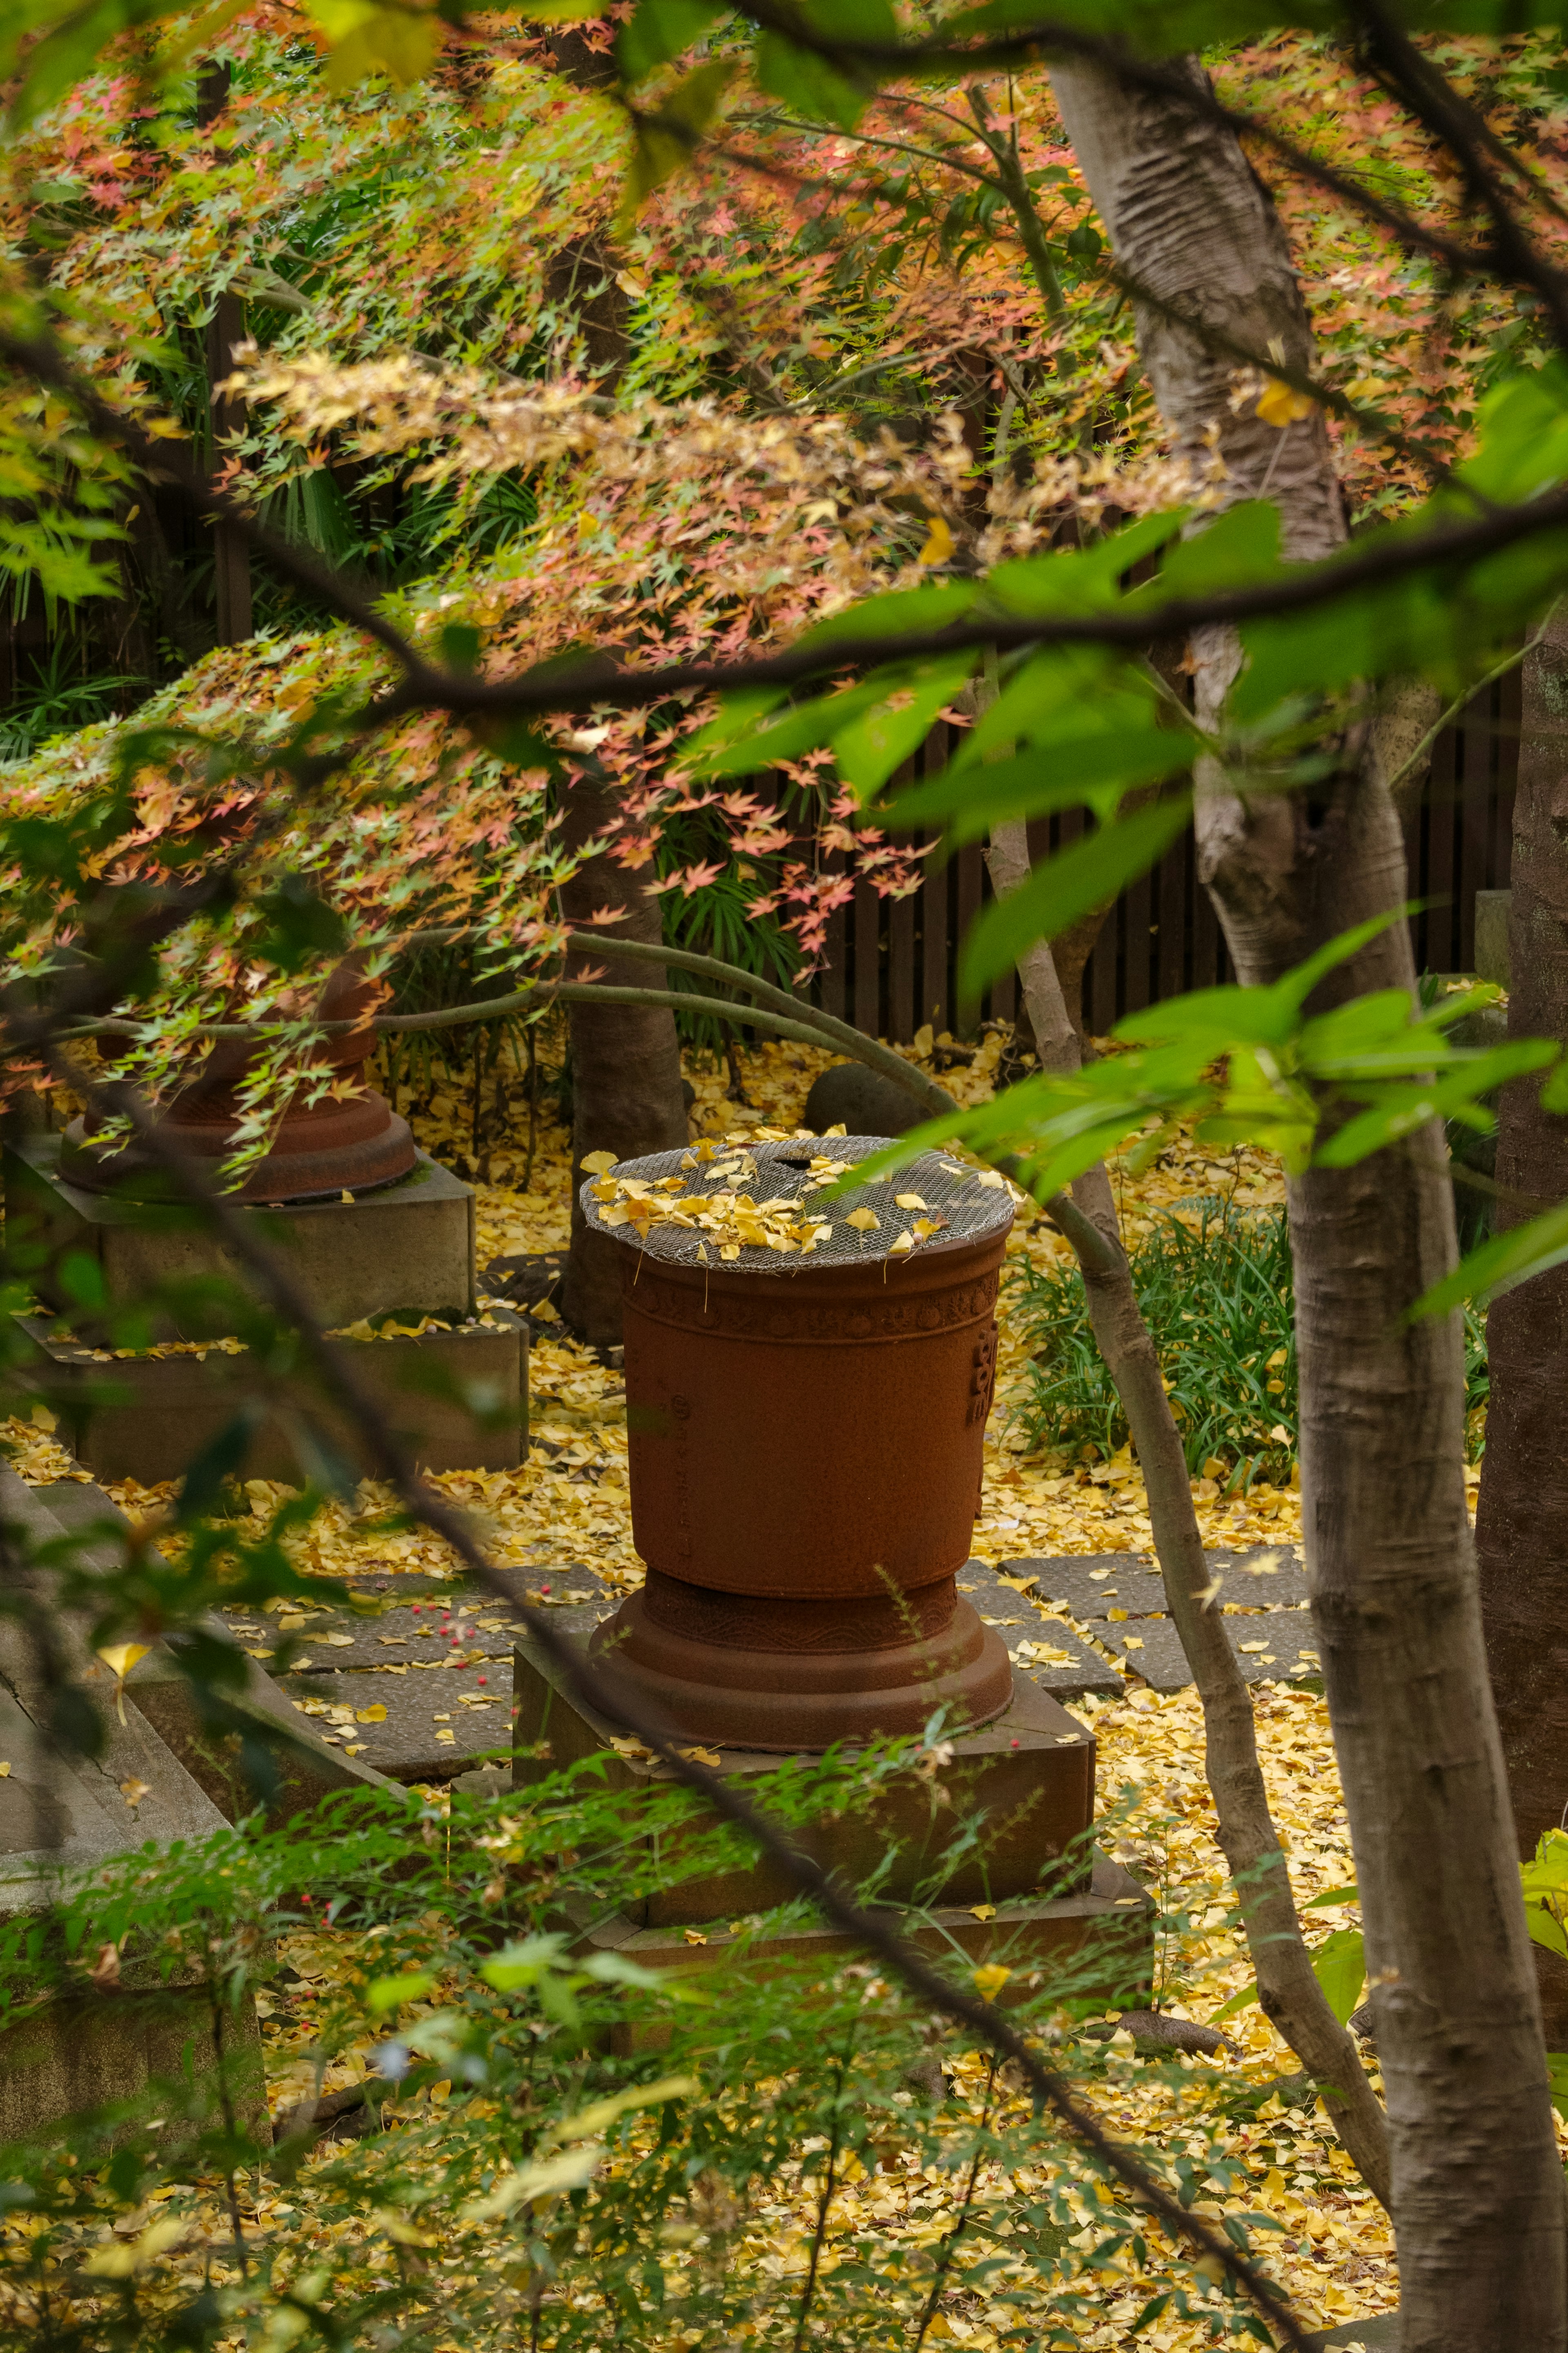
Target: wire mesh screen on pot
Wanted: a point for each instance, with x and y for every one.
(762, 1208)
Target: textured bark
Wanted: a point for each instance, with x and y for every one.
(625, 1060)
(583, 278)
(1521, 1527)
(1477, 2184)
(1290, 1995)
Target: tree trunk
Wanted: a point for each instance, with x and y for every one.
(1476, 2185)
(1290, 1995)
(1521, 1527)
(583, 278)
(626, 1060)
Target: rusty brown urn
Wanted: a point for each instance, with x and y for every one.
(805, 1431)
(346, 1143)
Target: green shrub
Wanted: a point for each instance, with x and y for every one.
(1218, 1294)
(573, 2150)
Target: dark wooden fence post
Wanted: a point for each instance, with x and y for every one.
(892, 965)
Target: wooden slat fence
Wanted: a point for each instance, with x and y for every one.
(891, 964)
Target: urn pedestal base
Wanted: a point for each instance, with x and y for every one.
(1031, 1890)
(737, 1695)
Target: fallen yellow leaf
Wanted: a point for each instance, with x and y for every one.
(909, 1201)
(597, 1163)
(376, 1715)
(939, 542)
(123, 2263)
(121, 1657)
(865, 1221)
(990, 1981)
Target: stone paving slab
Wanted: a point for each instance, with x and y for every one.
(1090, 1584)
(1056, 1658)
(1377, 2334)
(1280, 1648)
(442, 1626)
(1272, 1579)
(446, 1713)
(436, 1725)
(1046, 1649)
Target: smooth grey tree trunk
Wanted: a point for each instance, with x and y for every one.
(1478, 2194)
(1290, 1995)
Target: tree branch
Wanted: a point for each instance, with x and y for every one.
(604, 1689)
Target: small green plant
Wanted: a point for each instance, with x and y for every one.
(1215, 1289)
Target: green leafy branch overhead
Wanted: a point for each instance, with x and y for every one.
(1252, 1066)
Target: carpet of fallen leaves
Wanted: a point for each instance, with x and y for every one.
(1333, 2251)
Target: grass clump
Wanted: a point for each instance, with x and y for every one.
(1215, 1285)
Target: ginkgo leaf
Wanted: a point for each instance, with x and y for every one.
(121, 1657)
(598, 1163)
(865, 1221)
(125, 2261)
(910, 1201)
(376, 1715)
(939, 544)
(1281, 404)
(569, 2168)
(591, 2122)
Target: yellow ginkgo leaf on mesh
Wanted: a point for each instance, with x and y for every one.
(1281, 404)
(596, 1163)
(865, 1221)
(939, 542)
(909, 1201)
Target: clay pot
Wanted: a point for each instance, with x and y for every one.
(805, 1465)
(349, 1143)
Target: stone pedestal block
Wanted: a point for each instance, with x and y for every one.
(404, 1250)
(147, 1417)
(1028, 1775)
(61, 1815)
